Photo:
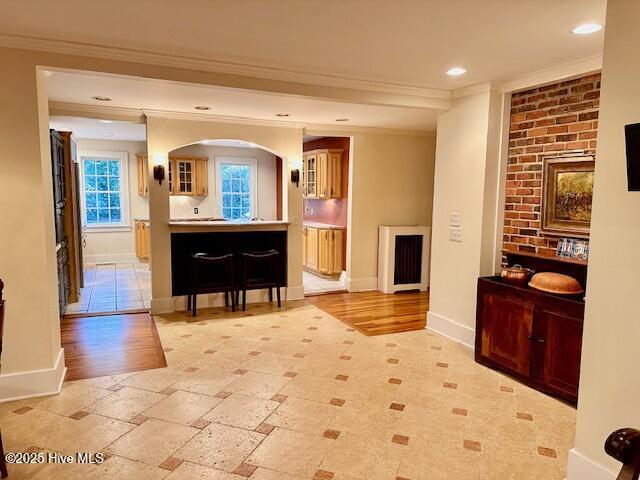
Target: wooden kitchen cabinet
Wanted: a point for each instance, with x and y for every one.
(322, 174)
(187, 175)
(305, 231)
(201, 177)
(322, 250)
(312, 249)
(142, 239)
(532, 335)
(143, 174)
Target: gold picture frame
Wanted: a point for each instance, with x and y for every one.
(567, 195)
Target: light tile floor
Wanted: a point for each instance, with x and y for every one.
(317, 284)
(295, 394)
(113, 288)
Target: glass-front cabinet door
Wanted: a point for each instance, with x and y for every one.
(310, 175)
(184, 181)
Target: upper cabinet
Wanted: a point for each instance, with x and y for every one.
(322, 174)
(187, 175)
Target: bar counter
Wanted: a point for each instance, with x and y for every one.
(219, 237)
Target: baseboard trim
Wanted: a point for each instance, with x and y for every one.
(111, 258)
(294, 293)
(581, 467)
(362, 284)
(453, 330)
(34, 383)
(161, 305)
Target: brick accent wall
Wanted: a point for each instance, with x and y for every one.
(547, 121)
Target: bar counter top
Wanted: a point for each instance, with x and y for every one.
(178, 226)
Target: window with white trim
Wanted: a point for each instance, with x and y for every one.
(237, 179)
(104, 189)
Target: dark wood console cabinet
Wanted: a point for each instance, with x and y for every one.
(534, 336)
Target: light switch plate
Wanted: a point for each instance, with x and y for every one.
(455, 219)
(455, 234)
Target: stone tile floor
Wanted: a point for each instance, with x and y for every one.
(294, 394)
(114, 287)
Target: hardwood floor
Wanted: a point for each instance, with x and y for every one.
(110, 344)
(376, 313)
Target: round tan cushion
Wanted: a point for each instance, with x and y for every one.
(555, 283)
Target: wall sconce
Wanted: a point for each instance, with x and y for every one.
(295, 177)
(158, 173)
(158, 167)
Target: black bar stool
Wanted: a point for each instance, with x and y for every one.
(211, 274)
(259, 270)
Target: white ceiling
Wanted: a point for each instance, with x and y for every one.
(95, 129)
(149, 94)
(408, 42)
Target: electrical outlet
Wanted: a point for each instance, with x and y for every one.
(195, 211)
(455, 220)
(455, 234)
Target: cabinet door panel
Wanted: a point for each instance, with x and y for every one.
(185, 177)
(312, 248)
(304, 246)
(323, 251)
(506, 326)
(336, 251)
(310, 175)
(335, 177)
(323, 175)
(562, 336)
(202, 178)
(137, 232)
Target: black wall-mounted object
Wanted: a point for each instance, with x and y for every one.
(632, 134)
(158, 173)
(295, 176)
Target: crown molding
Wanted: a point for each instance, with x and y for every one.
(473, 89)
(561, 72)
(204, 64)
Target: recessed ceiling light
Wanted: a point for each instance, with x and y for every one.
(202, 107)
(105, 121)
(101, 99)
(456, 71)
(107, 134)
(282, 115)
(587, 28)
(342, 119)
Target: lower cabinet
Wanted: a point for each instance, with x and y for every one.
(534, 336)
(142, 239)
(322, 250)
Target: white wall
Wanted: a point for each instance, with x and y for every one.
(182, 205)
(466, 182)
(391, 183)
(610, 382)
(117, 246)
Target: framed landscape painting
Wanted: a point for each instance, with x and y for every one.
(567, 195)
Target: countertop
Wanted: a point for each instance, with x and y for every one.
(226, 225)
(328, 226)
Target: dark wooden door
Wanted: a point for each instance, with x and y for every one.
(59, 183)
(561, 335)
(506, 329)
